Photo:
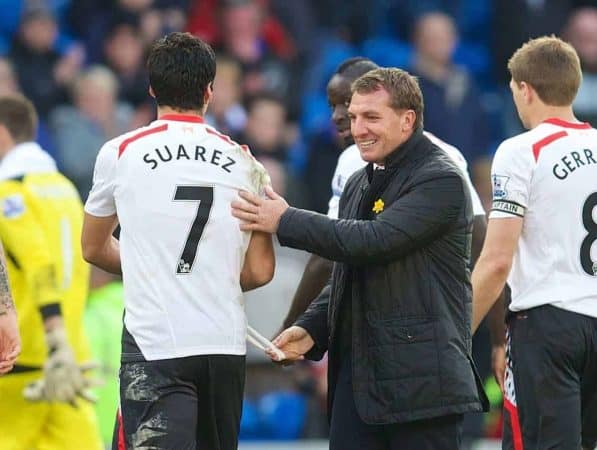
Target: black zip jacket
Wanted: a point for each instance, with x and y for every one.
(402, 247)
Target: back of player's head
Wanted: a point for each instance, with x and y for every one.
(551, 66)
(403, 88)
(181, 68)
(353, 68)
(18, 116)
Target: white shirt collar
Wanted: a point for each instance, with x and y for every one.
(24, 158)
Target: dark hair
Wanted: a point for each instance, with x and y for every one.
(181, 67)
(18, 115)
(353, 68)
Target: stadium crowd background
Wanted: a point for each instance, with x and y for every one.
(82, 64)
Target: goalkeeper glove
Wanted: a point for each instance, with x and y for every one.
(63, 379)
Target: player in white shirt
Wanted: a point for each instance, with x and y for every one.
(318, 270)
(541, 237)
(183, 259)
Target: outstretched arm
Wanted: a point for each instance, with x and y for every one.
(10, 341)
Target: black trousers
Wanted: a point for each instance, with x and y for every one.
(551, 380)
(349, 432)
(191, 403)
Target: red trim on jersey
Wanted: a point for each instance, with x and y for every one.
(121, 442)
(566, 124)
(182, 118)
(144, 133)
(538, 146)
(515, 424)
(221, 136)
(228, 140)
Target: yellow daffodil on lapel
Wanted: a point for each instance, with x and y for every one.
(378, 206)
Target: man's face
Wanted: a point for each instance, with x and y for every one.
(376, 127)
(338, 91)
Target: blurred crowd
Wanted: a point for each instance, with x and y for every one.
(82, 64)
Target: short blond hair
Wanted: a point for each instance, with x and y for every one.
(404, 89)
(551, 66)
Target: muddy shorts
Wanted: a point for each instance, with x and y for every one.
(191, 403)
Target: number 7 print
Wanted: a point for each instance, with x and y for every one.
(204, 195)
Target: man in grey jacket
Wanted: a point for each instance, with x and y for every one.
(395, 317)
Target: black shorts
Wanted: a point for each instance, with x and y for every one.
(191, 403)
(550, 399)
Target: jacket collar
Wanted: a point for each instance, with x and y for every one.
(404, 153)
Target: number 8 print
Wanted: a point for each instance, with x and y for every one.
(587, 263)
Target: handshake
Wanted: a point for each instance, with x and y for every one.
(63, 379)
(290, 346)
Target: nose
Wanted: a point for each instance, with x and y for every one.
(358, 128)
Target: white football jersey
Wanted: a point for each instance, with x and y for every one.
(548, 176)
(350, 161)
(171, 184)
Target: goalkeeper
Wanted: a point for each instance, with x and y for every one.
(40, 225)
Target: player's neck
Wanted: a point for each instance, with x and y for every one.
(564, 113)
(166, 110)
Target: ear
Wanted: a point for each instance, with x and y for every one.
(151, 92)
(209, 92)
(409, 118)
(528, 93)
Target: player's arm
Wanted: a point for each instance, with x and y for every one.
(317, 272)
(10, 340)
(100, 247)
(493, 266)
(260, 262)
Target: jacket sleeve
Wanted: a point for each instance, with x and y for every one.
(315, 321)
(423, 213)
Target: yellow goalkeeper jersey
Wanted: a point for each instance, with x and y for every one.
(41, 216)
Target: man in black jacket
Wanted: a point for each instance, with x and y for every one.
(395, 317)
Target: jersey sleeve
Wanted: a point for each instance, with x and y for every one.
(337, 187)
(100, 202)
(258, 176)
(348, 163)
(25, 242)
(478, 209)
(511, 174)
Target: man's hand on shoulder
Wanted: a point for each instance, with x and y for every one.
(258, 214)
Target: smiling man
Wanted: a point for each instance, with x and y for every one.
(396, 313)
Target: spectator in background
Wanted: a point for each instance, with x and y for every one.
(124, 53)
(452, 106)
(81, 129)
(266, 125)
(453, 109)
(243, 38)
(153, 17)
(265, 134)
(581, 32)
(103, 324)
(226, 113)
(42, 72)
